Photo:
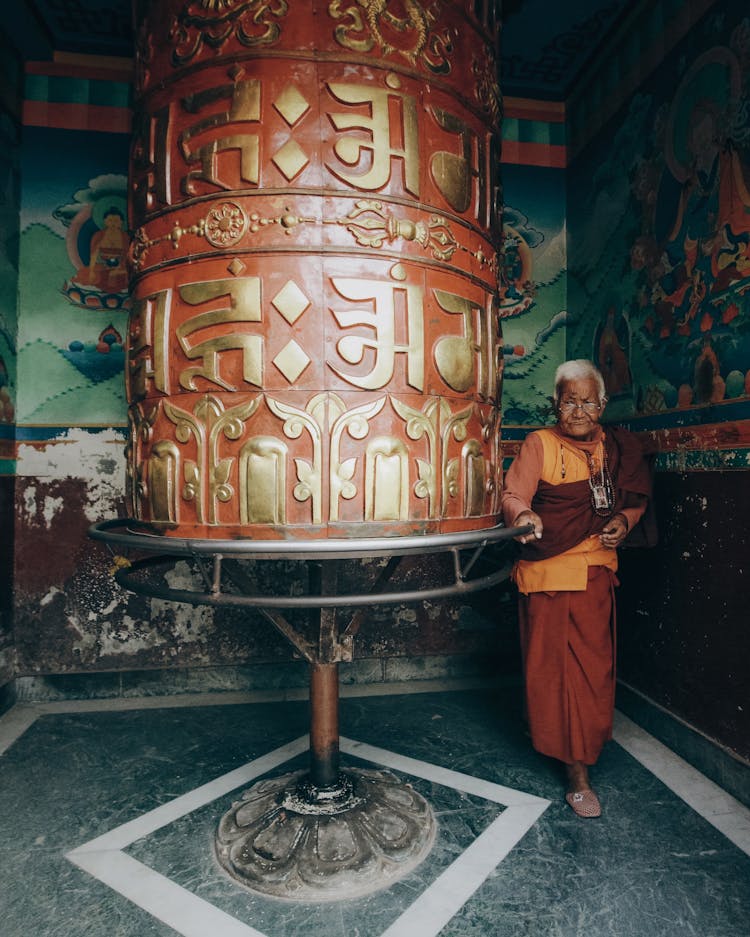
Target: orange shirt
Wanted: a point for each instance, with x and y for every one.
(548, 456)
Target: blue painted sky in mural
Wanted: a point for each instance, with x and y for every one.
(51, 182)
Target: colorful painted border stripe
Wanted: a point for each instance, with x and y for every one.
(80, 63)
(13, 438)
(534, 133)
(702, 460)
(696, 447)
(552, 112)
(534, 154)
(77, 97)
(76, 117)
(75, 89)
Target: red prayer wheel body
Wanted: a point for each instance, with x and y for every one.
(314, 346)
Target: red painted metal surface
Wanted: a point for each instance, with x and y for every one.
(314, 348)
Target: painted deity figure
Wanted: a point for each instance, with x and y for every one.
(106, 269)
(612, 358)
(713, 214)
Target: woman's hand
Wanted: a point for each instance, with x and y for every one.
(614, 532)
(529, 517)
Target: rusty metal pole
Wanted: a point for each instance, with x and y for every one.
(324, 725)
(324, 685)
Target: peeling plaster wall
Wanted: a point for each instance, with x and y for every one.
(71, 617)
(7, 647)
(70, 614)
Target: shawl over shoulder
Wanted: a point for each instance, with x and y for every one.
(566, 509)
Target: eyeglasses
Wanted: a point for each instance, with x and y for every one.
(570, 406)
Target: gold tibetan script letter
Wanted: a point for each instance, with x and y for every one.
(151, 313)
(151, 183)
(453, 173)
(455, 355)
(382, 321)
(379, 148)
(244, 299)
(244, 108)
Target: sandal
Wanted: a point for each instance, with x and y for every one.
(584, 803)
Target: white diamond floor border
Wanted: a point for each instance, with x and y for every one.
(191, 916)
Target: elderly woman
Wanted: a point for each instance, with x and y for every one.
(582, 487)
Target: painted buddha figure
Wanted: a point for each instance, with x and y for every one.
(107, 270)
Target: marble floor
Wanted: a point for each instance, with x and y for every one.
(108, 811)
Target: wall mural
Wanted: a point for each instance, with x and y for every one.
(533, 303)
(97, 242)
(73, 279)
(9, 186)
(7, 407)
(660, 261)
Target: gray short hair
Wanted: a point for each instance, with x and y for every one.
(579, 369)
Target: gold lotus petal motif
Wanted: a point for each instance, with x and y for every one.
(225, 224)
(291, 105)
(290, 301)
(291, 159)
(291, 361)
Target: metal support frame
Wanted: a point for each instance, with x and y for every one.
(374, 822)
(225, 555)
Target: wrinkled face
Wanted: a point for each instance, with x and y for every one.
(578, 409)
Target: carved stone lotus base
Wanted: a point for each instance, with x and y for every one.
(289, 839)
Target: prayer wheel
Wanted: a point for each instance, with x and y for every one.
(314, 345)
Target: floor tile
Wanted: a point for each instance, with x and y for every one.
(652, 866)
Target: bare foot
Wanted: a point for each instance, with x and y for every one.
(578, 777)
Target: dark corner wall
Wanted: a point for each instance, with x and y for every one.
(683, 605)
